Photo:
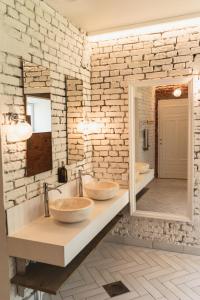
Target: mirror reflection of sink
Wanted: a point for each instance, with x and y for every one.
(142, 167)
(101, 190)
(71, 210)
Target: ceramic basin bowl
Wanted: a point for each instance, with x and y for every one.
(101, 190)
(142, 167)
(71, 210)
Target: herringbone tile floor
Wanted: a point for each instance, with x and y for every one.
(148, 274)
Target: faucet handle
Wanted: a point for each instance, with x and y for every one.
(47, 185)
(13, 201)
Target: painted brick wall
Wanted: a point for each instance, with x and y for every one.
(33, 31)
(159, 55)
(36, 78)
(60, 48)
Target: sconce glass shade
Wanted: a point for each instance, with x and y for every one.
(18, 132)
(177, 92)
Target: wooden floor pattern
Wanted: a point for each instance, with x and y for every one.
(147, 273)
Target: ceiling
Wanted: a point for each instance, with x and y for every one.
(101, 16)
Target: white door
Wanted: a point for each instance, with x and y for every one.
(172, 138)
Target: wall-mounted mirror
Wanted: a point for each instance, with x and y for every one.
(164, 159)
(75, 140)
(38, 111)
(161, 161)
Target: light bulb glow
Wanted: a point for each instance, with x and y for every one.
(87, 127)
(18, 132)
(177, 92)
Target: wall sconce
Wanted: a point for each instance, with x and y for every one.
(17, 130)
(177, 92)
(88, 127)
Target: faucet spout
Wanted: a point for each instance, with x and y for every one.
(80, 181)
(46, 198)
(80, 184)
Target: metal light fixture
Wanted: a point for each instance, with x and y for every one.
(18, 130)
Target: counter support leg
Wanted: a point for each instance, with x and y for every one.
(21, 269)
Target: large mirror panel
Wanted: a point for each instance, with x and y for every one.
(38, 111)
(162, 124)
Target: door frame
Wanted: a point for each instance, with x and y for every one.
(133, 84)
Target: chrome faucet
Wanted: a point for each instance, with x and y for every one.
(80, 183)
(47, 188)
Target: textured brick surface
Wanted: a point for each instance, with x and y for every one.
(37, 34)
(163, 55)
(58, 47)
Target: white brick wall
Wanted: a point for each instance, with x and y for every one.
(59, 48)
(160, 55)
(36, 33)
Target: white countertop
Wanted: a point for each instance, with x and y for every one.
(48, 241)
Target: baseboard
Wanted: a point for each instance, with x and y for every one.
(193, 250)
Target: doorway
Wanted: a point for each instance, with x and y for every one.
(172, 138)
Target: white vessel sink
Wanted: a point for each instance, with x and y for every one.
(142, 167)
(101, 190)
(71, 210)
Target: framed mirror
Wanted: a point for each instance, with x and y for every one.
(38, 112)
(161, 148)
(75, 137)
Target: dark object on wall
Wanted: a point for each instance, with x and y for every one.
(62, 174)
(145, 139)
(39, 153)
